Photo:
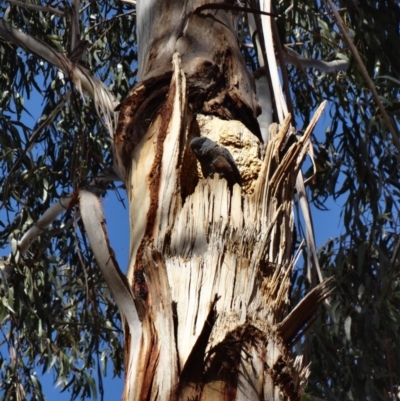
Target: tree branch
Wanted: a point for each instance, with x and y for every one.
(105, 101)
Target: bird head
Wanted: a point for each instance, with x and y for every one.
(201, 145)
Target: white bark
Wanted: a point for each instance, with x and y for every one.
(281, 107)
(265, 119)
(94, 222)
(48, 217)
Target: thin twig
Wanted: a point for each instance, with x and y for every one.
(111, 19)
(37, 7)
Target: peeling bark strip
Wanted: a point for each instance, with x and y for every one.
(131, 310)
(162, 146)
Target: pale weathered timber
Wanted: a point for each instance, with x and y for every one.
(215, 268)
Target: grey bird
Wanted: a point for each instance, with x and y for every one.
(215, 159)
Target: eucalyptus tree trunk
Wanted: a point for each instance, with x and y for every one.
(210, 265)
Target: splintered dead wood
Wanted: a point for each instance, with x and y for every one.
(240, 247)
(212, 243)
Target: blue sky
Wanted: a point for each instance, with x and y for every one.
(118, 225)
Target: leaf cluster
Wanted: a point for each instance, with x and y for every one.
(353, 346)
(56, 312)
(57, 317)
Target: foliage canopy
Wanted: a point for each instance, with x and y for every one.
(56, 313)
